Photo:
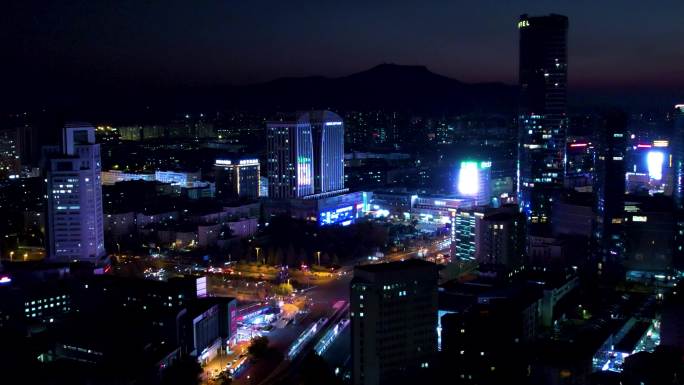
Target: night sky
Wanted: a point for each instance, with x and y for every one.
(634, 43)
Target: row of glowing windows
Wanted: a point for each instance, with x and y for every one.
(82, 350)
(68, 207)
(57, 298)
(26, 310)
(390, 287)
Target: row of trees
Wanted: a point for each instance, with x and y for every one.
(290, 241)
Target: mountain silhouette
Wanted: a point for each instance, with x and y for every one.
(390, 87)
(386, 86)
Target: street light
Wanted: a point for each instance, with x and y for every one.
(257, 253)
(11, 255)
(318, 254)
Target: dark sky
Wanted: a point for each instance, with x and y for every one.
(612, 42)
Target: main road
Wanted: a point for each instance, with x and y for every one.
(322, 297)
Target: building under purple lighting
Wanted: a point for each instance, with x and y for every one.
(75, 198)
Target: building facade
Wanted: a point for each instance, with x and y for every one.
(75, 220)
(305, 155)
(609, 187)
(464, 228)
(498, 240)
(237, 179)
(10, 164)
(393, 320)
(678, 155)
(542, 118)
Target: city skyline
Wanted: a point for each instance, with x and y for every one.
(442, 222)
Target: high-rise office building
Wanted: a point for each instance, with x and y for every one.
(678, 155)
(579, 166)
(498, 239)
(75, 225)
(10, 164)
(678, 182)
(609, 186)
(305, 155)
(237, 179)
(393, 320)
(542, 118)
(490, 236)
(464, 226)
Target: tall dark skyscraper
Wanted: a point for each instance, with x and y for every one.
(609, 186)
(393, 320)
(542, 118)
(305, 155)
(678, 155)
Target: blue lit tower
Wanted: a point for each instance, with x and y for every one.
(327, 131)
(678, 155)
(305, 155)
(75, 224)
(542, 118)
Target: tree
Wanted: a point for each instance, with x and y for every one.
(291, 255)
(271, 257)
(258, 347)
(284, 289)
(279, 257)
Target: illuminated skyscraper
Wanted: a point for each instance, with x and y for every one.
(678, 155)
(305, 155)
(542, 118)
(75, 223)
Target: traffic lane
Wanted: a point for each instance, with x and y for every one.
(338, 354)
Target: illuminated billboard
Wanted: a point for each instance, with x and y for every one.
(655, 161)
(468, 179)
(304, 171)
(343, 215)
